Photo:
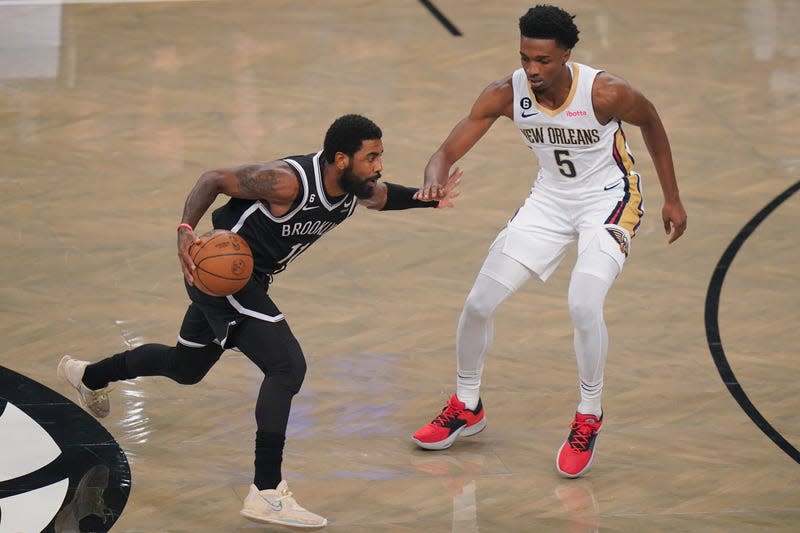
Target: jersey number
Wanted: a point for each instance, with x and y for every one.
(565, 166)
(296, 250)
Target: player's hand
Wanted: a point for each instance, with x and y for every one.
(674, 216)
(434, 191)
(450, 191)
(185, 240)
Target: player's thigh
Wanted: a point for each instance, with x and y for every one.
(503, 268)
(602, 252)
(541, 231)
(196, 331)
(270, 345)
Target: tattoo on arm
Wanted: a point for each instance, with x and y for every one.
(257, 180)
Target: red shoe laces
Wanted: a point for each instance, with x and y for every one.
(581, 434)
(450, 412)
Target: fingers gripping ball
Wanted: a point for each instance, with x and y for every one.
(224, 262)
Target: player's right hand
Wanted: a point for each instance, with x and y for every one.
(450, 191)
(438, 191)
(185, 240)
(429, 192)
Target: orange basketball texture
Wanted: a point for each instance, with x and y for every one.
(224, 262)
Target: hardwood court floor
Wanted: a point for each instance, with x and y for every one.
(110, 111)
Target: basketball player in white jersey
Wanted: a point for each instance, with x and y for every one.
(586, 190)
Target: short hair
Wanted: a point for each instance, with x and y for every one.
(549, 22)
(346, 135)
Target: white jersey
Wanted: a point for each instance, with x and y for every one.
(575, 151)
(586, 188)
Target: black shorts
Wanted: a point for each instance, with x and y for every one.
(212, 318)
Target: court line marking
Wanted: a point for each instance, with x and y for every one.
(712, 325)
(441, 18)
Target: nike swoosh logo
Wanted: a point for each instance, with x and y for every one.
(309, 207)
(529, 115)
(348, 204)
(276, 506)
(609, 187)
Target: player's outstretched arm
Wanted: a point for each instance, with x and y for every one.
(496, 100)
(391, 196)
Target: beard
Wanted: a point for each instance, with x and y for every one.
(362, 189)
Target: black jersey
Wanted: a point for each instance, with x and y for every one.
(276, 241)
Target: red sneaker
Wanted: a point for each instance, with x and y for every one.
(455, 420)
(576, 454)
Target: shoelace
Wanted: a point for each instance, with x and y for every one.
(97, 397)
(580, 436)
(448, 413)
(292, 503)
(284, 495)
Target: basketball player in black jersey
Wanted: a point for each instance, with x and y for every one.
(280, 208)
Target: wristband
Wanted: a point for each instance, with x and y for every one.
(400, 197)
(185, 226)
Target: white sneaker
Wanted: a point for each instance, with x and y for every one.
(95, 401)
(278, 506)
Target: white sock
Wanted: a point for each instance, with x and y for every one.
(474, 336)
(586, 297)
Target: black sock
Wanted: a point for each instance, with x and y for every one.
(99, 374)
(269, 456)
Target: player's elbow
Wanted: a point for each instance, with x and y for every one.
(214, 182)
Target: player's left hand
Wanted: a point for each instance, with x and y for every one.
(450, 190)
(674, 216)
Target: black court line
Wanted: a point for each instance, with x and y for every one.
(441, 18)
(712, 324)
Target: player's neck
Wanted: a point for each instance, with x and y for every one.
(558, 93)
(332, 180)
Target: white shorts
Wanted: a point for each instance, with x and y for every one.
(550, 220)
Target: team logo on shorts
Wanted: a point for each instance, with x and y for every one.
(621, 237)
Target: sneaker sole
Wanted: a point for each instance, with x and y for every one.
(579, 474)
(463, 431)
(290, 523)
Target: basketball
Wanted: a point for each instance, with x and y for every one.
(224, 262)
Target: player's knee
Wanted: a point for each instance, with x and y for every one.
(190, 376)
(289, 370)
(190, 365)
(297, 372)
(584, 312)
(476, 308)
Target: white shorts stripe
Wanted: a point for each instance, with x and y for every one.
(190, 344)
(255, 314)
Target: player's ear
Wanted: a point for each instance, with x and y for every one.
(341, 160)
(566, 57)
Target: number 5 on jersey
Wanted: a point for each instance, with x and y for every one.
(565, 166)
